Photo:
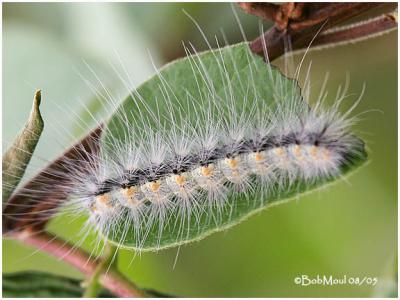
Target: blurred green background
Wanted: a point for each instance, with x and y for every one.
(349, 228)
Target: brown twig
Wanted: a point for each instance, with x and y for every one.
(357, 31)
(117, 283)
(300, 22)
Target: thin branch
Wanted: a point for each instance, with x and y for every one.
(308, 19)
(113, 280)
(92, 285)
(357, 31)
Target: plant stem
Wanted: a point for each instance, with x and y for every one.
(357, 31)
(301, 23)
(113, 280)
(93, 285)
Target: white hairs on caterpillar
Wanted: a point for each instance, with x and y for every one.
(186, 162)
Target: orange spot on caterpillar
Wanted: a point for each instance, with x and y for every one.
(279, 151)
(129, 194)
(258, 156)
(155, 186)
(180, 179)
(208, 170)
(104, 200)
(232, 163)
(313, 151)
(297, 150)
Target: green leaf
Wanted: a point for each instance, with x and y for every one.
(42, 285)
(17, 157)
(246, 71)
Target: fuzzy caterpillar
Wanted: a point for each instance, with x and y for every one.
(209, 140)
(192, 152)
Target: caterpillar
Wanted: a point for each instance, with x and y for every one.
(209, 140)
(171, 171)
